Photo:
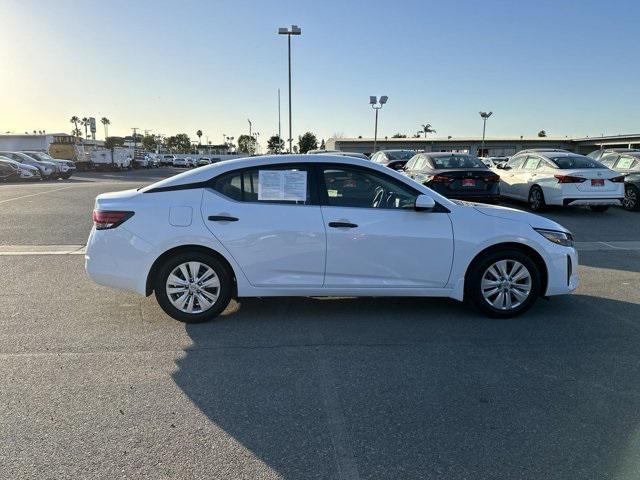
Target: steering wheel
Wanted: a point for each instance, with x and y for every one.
(379, 197)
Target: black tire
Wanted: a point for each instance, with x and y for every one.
(536, 199)
(225, 289)
(599, 208)
(631, 200)
(473, 283)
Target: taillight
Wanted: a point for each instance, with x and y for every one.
(569, 179)
(103, 219)
(619, 179)
(492, 178)
(441, 179)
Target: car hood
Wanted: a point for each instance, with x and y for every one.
(536, 221)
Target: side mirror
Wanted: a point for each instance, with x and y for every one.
(424, 203)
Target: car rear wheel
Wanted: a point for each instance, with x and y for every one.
(193, 287)
(503, 284)
(599, 208)
(536, 199)
(631, 201)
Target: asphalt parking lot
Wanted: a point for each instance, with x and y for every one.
(99, 383)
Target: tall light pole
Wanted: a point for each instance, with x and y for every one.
(295, 30)
(373, 101)
(249, 126)
(484, 116)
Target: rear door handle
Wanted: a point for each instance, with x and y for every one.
(342, 225)
(222, 218)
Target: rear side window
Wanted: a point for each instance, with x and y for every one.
(608, 160)
(286, 184)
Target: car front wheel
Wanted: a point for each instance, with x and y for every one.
(193, 287)
(503, 284)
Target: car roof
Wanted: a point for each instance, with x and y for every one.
(397, 150)
(204, 174)
(560, 154)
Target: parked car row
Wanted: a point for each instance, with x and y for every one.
(33, 165)
(185, 162)
(540, 177)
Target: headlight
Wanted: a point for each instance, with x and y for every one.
(561, 238)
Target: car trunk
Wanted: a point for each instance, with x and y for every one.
(466, 181)
(596, 180)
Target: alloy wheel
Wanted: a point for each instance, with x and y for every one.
(630, 201)
(193, 287)
(506, 284)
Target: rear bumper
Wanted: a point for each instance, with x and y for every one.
(591, 201)
(117, 258)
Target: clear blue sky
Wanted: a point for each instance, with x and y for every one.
(570, 68)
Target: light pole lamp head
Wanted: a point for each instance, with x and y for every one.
(485, 115)
(373, 100)
(383, 99)
(296, 30)
(283, 31)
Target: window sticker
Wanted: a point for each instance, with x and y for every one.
(288, 185)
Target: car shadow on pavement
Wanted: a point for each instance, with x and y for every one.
(422, 388)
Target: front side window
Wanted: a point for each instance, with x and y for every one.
(282, 184)
(353, 187)
(516, 162)
(609, 160)
(532, 163)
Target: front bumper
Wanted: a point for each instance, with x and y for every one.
(562, 270)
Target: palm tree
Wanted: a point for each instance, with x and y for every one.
(199, 134)
(85, 123)
(427, 129)
(75, 121)
(106, 122)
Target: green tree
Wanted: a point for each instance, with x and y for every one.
(247, 144)
(542, 133)
(199, 135)
(106, 122)
(275, 144)
(111, 142)
(398, 135)
(149, 142)
(180, 143)
(307, 142)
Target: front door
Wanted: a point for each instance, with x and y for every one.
(266, 219)
(375, 238)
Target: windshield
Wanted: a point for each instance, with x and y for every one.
(457, 161)
(406, 155)
(574, 161)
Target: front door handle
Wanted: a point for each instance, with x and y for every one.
(342, 225)
(222, 218)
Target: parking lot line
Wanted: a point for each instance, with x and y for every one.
(35, 194)
(6, 250)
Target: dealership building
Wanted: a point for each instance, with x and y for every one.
(493, 147)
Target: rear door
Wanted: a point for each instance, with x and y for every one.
(375, 238)
(268, 219)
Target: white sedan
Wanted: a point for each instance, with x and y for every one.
(320, 225)
(560, 178)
